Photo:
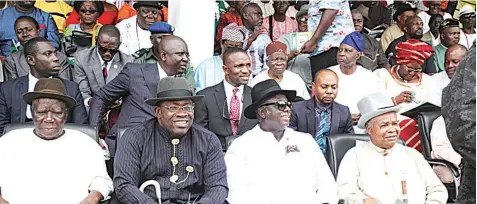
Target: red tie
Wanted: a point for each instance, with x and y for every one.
(234, 112)
(105, 70)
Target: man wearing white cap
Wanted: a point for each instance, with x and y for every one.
(381, 171)
(467, 19)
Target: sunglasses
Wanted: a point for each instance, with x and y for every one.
(281, 105)
(90, 11)
(174, 109)
(471, 15)
(105, 49)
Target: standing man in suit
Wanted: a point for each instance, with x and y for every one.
(322, 116)
(136, 83)
(221, 110)
(44, 62)
(98, 65)
(16, 65)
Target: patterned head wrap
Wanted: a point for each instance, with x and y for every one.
(413, 50)
(233, 32)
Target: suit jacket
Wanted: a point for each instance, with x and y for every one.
(17, 66)
(13, 108)
(209, 112)
(134, 84)
(303, 118)
(88, 71)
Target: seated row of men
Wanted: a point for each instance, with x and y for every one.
(270, 163)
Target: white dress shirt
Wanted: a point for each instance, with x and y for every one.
(57, 171)
(229, 91)
(259, 170)
(162, 73)
(31, 87)
(290, 81)
(365, 172)
(133, 38)
(102, 62)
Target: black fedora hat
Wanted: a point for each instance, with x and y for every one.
(172, 89)
(403, 7)
(50, 88)
(154, 4)
(264, 90)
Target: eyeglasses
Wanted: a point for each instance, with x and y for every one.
(410, 70)
(89, 11)
(106, 49)
(470, 15)
(188, 109)
(281, 105)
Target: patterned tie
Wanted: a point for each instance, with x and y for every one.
(105, 70)
(323, 130)
(234, 112)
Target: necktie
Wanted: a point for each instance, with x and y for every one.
(234, 112)
(105, 70)
(323, 130)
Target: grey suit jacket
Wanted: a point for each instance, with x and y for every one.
(17, 66)
(88, 70)
(212, 112)
(134, 84)
(303, 118)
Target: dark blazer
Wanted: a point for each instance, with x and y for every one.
(134, 84)
(209, 112)
(13, 108)
(303, 118)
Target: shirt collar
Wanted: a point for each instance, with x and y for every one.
(380, 150)
(229, 88)
(322, 107)
(32, 79)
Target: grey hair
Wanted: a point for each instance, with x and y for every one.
(369, 124)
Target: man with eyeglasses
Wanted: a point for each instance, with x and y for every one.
(182, 161)
(220, 111)
(210, 72)
(98, 65)
(273, 163)
(16, 65)
(134, 31)
(277, 62)
(412, 30)
(467, 19)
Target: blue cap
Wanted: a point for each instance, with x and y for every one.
(161, 27)
(354, 39)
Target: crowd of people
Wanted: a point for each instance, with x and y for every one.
(250, 124)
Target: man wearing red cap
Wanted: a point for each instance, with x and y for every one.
(277, 62)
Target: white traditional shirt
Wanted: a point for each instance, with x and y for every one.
(290, 81)
(261, 170)
(440, 80)
(467, 39)
(133, 38)
(365, 172)
(57, 171)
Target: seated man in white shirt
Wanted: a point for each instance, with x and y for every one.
(381, 171)
(453, 56)
(48, 164)
(272, 163)
(277, 62)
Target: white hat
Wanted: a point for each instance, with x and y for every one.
(375, 105)
(466, 10)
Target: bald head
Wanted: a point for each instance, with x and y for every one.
(174, 55)
(168, 42)
(453, 57)
(357, 20)
(325, 86)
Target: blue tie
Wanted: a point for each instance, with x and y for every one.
(323, 130)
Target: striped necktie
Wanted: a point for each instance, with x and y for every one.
(323, 129)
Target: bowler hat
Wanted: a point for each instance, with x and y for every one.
(50, 88)
(154, 4)
(172, 89)
(375, 105)
(264, 90)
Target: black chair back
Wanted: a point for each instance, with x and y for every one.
(339, 144)
(86, 129)
(424, 124)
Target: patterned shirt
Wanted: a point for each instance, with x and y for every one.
(256, 51)
(340, 27)
(224, 20)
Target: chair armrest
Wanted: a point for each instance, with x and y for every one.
(451, 166)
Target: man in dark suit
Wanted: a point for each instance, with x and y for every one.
(44, 62)
(96, 66)
(321, 116)
(221, 110)
(16, 65)
(136, 83)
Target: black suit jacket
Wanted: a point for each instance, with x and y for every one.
(13, 108)
(210, 111)
(303, 118)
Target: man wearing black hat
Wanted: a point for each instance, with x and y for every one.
(275, 164)
(403, 11)
(183, 161)
(450, 35)
(57, 165)
(412, 29)
(135, 30)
